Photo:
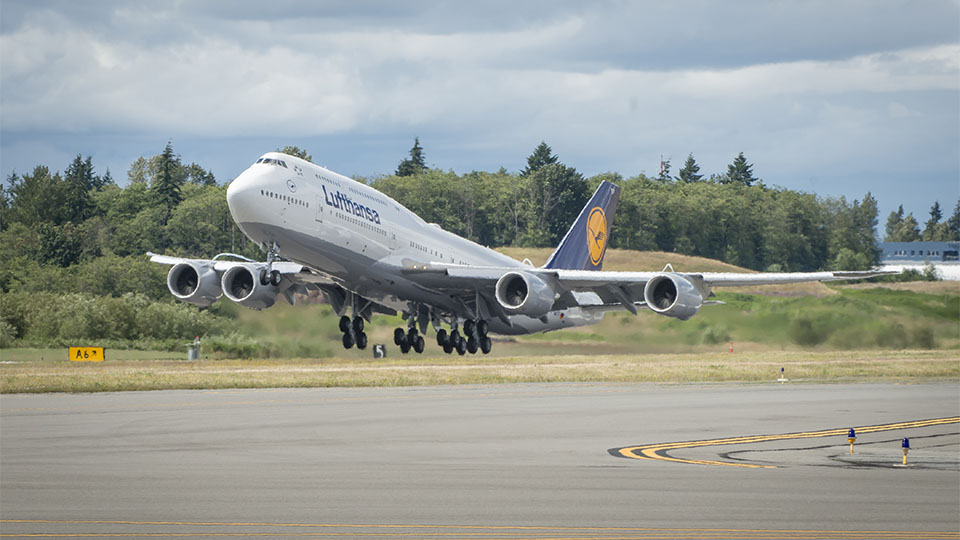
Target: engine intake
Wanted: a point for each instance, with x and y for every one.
(524, 294)
(195, 283)
(673, 296)
(242, 285)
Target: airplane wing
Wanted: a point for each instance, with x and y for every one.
(675, 294)
(202, 281)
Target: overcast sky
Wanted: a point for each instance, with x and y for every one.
(833, 97)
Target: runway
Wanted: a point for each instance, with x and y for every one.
(501, 461)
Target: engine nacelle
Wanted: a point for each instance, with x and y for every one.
(242, 285)
(195, 283)
(673, 296)
(525, 294)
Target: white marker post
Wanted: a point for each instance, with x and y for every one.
(783, 377)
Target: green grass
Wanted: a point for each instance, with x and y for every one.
(896, 316)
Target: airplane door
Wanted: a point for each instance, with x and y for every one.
(319, 216)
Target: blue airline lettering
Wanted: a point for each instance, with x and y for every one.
(342, 202)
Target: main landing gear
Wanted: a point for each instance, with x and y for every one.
(411, 339)
(474, 338)
(353, 333)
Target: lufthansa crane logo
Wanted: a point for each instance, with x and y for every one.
(596, 234)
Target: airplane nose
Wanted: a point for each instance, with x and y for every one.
(241, 195)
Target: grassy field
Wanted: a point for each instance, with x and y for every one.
(764, 367)
(820, 332)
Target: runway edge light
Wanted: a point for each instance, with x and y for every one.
(906, 448)
(851, 436)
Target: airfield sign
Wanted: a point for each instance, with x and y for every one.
(86, 354)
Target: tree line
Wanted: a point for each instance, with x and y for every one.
(733, 217)
(76, 240)
(902, 228)
(70, 231)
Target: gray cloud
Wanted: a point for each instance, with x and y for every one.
(809, 90)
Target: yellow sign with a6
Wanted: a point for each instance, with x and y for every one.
(86, 354)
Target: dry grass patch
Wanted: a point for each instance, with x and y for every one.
(660, 368)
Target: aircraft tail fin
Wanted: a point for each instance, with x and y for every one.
(585, 244)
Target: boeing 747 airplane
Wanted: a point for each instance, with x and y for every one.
(368, 254)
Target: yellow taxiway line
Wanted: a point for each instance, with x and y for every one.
(659, 451)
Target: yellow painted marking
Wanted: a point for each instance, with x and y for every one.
(86, 354)
(659, 450)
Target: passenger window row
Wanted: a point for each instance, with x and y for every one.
(285, 198)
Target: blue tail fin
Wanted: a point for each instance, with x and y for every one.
(585, 243)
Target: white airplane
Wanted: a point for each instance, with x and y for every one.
(368, 254)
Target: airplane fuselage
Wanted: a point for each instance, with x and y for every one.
(362, 238)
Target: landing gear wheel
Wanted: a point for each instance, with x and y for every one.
(347, 340)
(482, 328)
(448, 346)
(344, 324)
(441, 337)
(454, 338)
(361, 340)
(275, 278)
(399, 336)
(358, 324)
(404, 346)
(472, 345)
(461, 346)
(412, 335)
(468, 327)
(485, 345)
(418, 344)
(264, 277)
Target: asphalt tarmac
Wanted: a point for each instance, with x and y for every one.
(507, 461)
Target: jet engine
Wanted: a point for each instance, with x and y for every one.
(195, 283)
(673, 296)
(242, 285)
(524, 294)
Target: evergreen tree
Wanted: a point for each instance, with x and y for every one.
(166, 188)
(542, 155)
(739, 172)
(953, 224)
(556, 194)
(894, 221)
(4, 208)
(296, 151)
(688, 173)
(79, 181)
(664, 171)
(106, 180)
(415, 164)
(865, 221)
(909, 230)
(930, 227)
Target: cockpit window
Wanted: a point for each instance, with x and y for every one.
(259, 160)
